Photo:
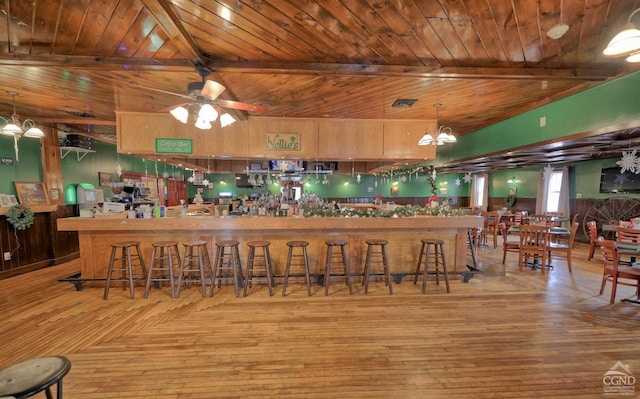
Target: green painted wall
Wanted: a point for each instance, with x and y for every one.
(29, 168)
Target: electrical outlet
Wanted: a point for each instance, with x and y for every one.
(543, 121)
(7, 256)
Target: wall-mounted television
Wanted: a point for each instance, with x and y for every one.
(612, 181)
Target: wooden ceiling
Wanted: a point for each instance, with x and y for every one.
(74, 63)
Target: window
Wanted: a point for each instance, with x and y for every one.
(553, 189)
(479, 192)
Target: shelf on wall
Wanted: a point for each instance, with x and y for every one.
(80, 152)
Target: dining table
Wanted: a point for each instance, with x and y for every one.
(555, 232)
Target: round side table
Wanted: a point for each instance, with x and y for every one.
(25, 379)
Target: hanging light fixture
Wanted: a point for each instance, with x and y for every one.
(442, 134)
(204, 113)
(626, 42)
(11, 126)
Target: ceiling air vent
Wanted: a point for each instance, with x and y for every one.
(404, 103)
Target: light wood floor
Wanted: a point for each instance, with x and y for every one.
(521, 335)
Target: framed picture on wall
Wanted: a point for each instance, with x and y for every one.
(105, 179)
(4, 201)
(12, 200)
(31, 193)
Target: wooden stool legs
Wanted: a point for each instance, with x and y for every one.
(130, 252)
(342, 256)
(437, 257)
(266, 261)
(298, 260)
(379, 257)
(195, 259)
(162, 264)
(227, 259)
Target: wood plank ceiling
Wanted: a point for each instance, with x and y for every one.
(74, 63)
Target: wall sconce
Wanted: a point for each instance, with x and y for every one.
(513, 180)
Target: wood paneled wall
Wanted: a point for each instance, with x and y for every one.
(40, 245)
(320, 139)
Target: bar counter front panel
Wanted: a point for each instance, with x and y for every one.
(403, 233)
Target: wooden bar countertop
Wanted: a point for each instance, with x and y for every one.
(403, 234)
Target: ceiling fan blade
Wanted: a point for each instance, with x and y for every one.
(212, 89)
(242, 106)
(163, 91)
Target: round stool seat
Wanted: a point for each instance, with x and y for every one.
(377, 242)
(32, 376)
(336, 242)
(164, 244)
(227, 243)
(258, 243)
(125, 244)
(297, 243)
(432, 241)
(194, 243)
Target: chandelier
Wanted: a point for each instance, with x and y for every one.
(11, 126)
(204, 113)
(626, 42)
(441, 136)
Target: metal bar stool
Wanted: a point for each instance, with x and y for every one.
(164, 271)
(337, 256)
(265, 259)
(129, 252)
(432, 250)
(227, 260)
(195, 259)
(297, 260)
(25, 379)
(377, 255)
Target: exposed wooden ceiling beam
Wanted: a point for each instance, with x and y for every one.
(118, 63)
(170, 23)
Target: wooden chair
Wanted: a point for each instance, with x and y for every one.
(510, 243)
(616, 273)
(593, 237)
(491, 227)
(562, 249)
(534, 241)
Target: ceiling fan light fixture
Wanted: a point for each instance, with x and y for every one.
(226, 119)
(208, 113)
(180, 113)
(203, 124)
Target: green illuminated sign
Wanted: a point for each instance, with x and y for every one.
(174, 146)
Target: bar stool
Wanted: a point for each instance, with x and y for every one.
(195, 258)
(227, 260)
(297, 260)
(377, 254)
(432, 250)
(26, 379)
(337, 256)
(164, 260)
(265, 259)
(130, 252)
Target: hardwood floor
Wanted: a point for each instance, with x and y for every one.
(520, 335)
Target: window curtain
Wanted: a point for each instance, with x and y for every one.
(485, 192)
(543, 189)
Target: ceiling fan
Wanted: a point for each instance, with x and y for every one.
(205, 104)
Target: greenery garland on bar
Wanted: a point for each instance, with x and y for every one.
(20, 217)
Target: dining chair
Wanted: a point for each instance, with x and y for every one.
(593, 237)
(534, 241)
(510, 243)
(616, 273)
(563, 249)
(491, 227)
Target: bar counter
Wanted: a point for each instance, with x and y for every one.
(403, 234)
